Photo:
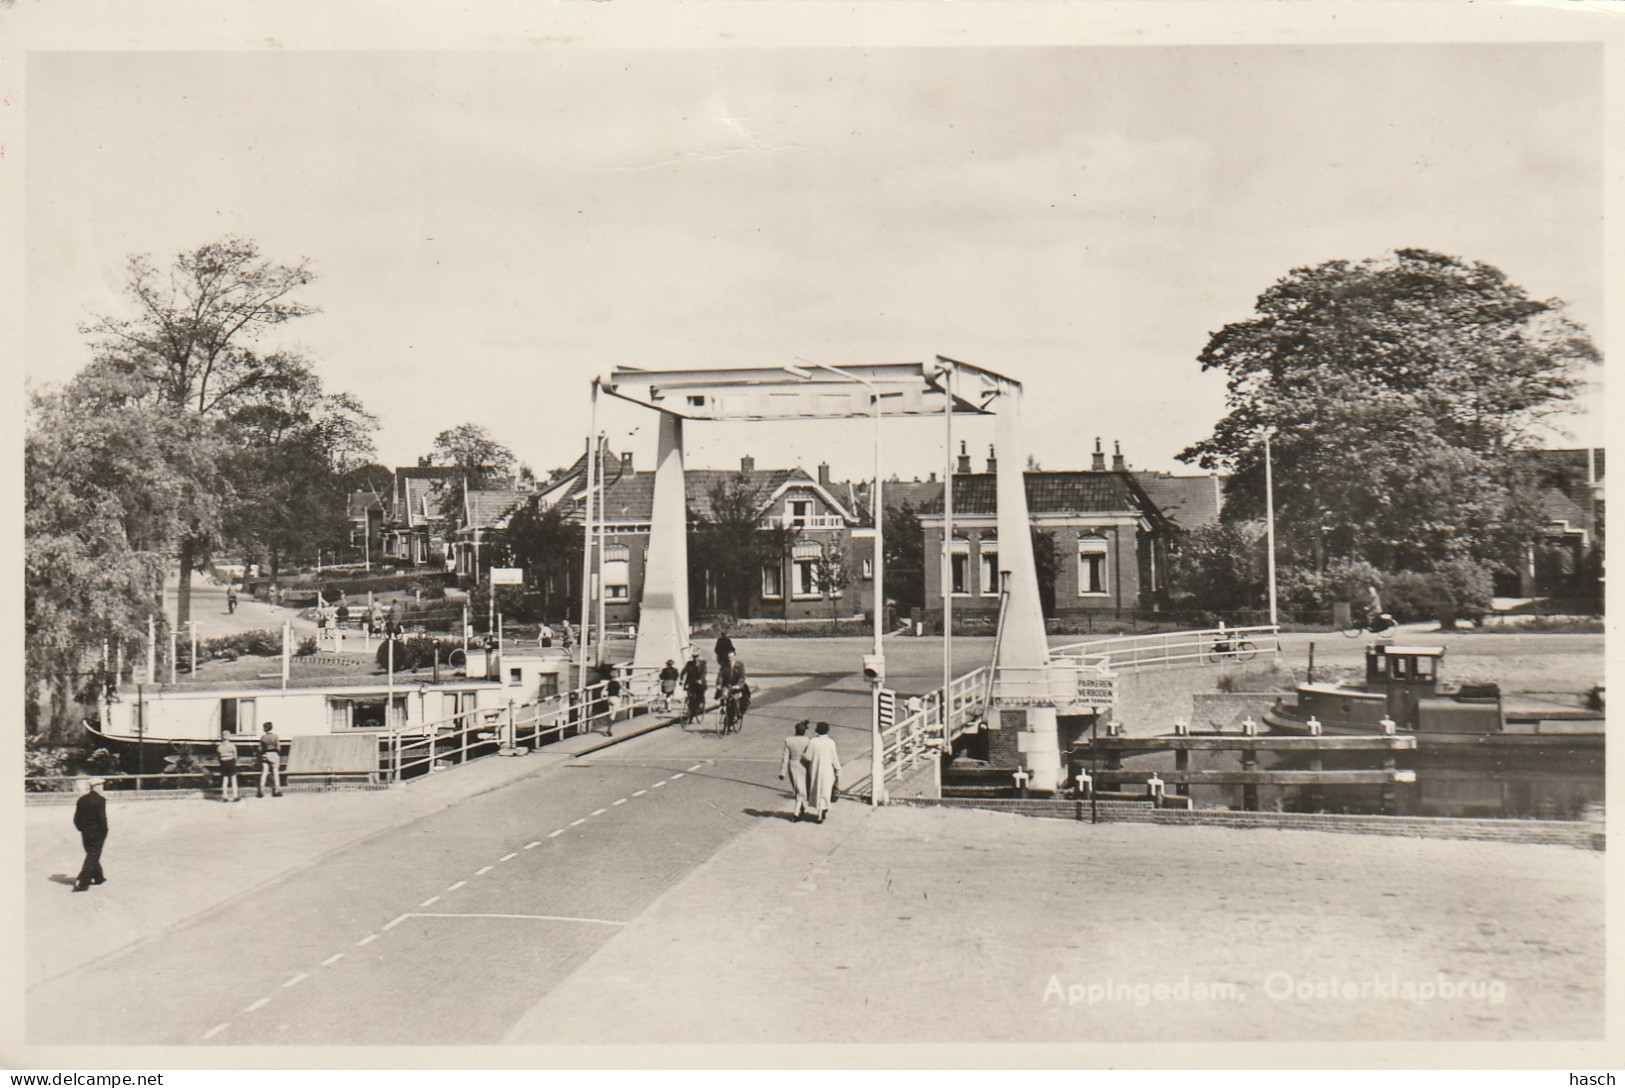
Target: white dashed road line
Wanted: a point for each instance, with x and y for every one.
(530, 917)
(398, 920)
(578, 823)
(295, 980)
(508, 857)
(457, 885)
(555, 834)
(429, 902)
(678, 775)
(216, 1030)
(696, 766)
(533, 845)
(368, 939)
(639, 793)
(600, 811)
(483, 871)
(622, 801)
(657, 785)
(260, 1004)
(331, 960)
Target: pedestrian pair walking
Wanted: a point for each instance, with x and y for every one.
(813, 768)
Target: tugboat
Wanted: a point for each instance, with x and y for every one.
(1402, 684)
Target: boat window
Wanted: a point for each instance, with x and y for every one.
(1402, 668)
(516, 677)
(1424, 668)
(237, 716)
(366, 712)
(1379, 666)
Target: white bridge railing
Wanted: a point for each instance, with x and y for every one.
(1214, 646)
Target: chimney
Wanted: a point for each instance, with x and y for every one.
(992, 461)
(931, 479)
(747, 463)
(1118, 464)
(626, 462)
(823, 474)
(1099, 462)
(964, 459)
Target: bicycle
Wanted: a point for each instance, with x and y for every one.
(1381, 628)
(694, 709)
(730, 712)
(1232, 649)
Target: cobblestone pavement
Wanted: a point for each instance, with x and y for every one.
(446, 930)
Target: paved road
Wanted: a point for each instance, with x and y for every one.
(212, 619)
(449, 929)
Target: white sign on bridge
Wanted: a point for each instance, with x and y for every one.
(507, 576)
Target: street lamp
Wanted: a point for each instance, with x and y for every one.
(1269, 519)
(875, 667)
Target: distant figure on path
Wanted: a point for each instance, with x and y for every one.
(668, 685)
(823, 770)
(226, 750)
(569, 640)
(270, 761)
(795, 747)
(90, 817)
(544, 635)
(724, 649)
(231, 598)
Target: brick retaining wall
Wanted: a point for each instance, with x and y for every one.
(1585, 835)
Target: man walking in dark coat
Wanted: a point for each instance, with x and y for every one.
(90, 817)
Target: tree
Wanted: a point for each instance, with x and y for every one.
(480, 460)
(296, 446)
(191, 350)
(1397, 392)
(1220, 567)
(1046, 565)
(725, 541)
(832, 573)
(905, 557)
(549, 549)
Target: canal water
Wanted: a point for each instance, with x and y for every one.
(1555, 782)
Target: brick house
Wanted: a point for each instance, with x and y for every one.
(482, 524)
(413, 529)
(1111, 541)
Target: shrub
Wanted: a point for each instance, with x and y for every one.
(48, 761)
(307, 648)
(262, 643)
(1461, 589)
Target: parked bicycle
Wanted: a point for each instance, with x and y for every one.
(1229, 648)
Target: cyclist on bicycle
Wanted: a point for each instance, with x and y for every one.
(1376, 620)
(731, 682)
(693, 680)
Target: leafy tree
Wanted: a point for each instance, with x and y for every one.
(549, 549)
(480, 460)
(1047, 565)
(296, 447)
(905, 557)
(191, 350)
(1397, 391)
(725, 542)
(832, 573)
(1220, 567)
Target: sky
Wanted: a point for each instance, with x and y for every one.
(490, 229)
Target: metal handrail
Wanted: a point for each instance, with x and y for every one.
(1170, 648)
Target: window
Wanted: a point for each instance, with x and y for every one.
(868, 569)
(237, 716)
(1424, 668)
(516, 677)
(617, 572)
(804, 560)
(800, 511)
(990, 568)
(1092, 566)
(772, 582)
(959, 568)
(367, 712)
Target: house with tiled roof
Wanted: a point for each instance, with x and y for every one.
(483, 521)
(1111, 542)
(818, 522)
(413, 530)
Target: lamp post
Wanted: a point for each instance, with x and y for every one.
(1269, 519)
(876, 667)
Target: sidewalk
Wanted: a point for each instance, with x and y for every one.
(905, 925)
(172, 860)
